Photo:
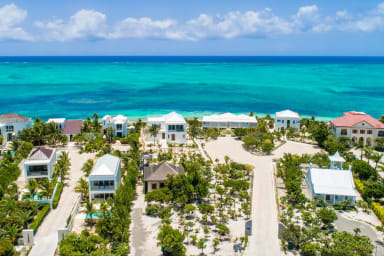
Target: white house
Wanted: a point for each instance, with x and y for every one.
(333, 185)
(60, 122)
(40, 162)
(229, 121)
(287, 118)
(11, 124)
(173, 128)
(358, 126)
(118, 123)
(105, 177)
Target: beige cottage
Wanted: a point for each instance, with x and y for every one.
(154, 176)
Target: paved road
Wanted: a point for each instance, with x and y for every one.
(46, 237)
(264, 240)
(345, 224)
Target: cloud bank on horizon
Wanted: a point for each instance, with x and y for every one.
(87, 24)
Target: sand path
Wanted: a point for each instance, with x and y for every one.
(264, 240)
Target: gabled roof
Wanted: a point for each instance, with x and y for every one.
(161, 171)
(353, 118)
(287, 114)
(332, 182)
(72, 127)
(172, 117)
(115, 119)
(336, 158)
(41, 153)
(13, 118)
(56, 120)
(106, 165)
(229, 117)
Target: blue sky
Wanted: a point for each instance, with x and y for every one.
(198, 27)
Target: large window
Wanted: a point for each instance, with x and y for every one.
(362, 131)
(119, 126)
(344, 132)
(9, 128)
(327, 198)
(177, 127)
(380, 134)
(369, 131)
(103, 184)
(354, 131)
(36, 170)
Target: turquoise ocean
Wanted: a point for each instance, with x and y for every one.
(76, 87)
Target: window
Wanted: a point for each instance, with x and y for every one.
(282, 121)
(327, 197)
(178, 127)
(278, 120)
(298, 121)
(9, 128)
(154, 186)
(362, 131)
(344, 132)
(369, 131)
(119, 126)
(354, 131)
(161, 184)
(380, 134)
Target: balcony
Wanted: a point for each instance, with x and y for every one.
(102, 188)
(37, 173)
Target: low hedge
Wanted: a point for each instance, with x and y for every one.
(57, 195)
(39, 218)
(378, 210)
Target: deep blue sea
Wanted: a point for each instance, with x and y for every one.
(76, 87)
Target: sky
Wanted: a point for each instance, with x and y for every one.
(194, 27)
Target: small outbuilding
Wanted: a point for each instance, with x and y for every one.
(40, 163)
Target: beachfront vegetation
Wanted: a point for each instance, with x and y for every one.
(42, 133)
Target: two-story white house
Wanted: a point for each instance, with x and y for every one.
(229, 121)
(11, 124)
(358, 126)
(105, 177)
(173, 128)
(118, 123)
(287, 118)
(39, 163)
(333, 185)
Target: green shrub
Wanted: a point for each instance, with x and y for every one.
(152, 210)
(57, 195)
(378, 210)
(39, 218)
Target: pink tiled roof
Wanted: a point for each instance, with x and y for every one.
(72, 127)
(352, 118)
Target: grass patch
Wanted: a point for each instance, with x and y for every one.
(57, 195)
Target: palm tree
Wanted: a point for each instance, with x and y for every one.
(82, 187)
(46, 187)
(89, 210)
(360, 145)
(95, 123)
(32, 187)
(24, 216)
(13, 232)
(376, 157)
(87, 167)
(368, 153)
(15, 145)
(153, 131)
(63, 164)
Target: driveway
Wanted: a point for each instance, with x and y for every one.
(264, 240)
(46, 238)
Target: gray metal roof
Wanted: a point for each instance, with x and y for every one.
(106, 165)
(161, 171)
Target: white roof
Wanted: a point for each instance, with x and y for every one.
(56, 120)
(106, 165)
(287, 113)
(115, 119)
(172, 117)
(229, 117)
(332, 182)
(336, 158)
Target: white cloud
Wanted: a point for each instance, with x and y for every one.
(10, 18)
(84, 24)
(91, 24)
